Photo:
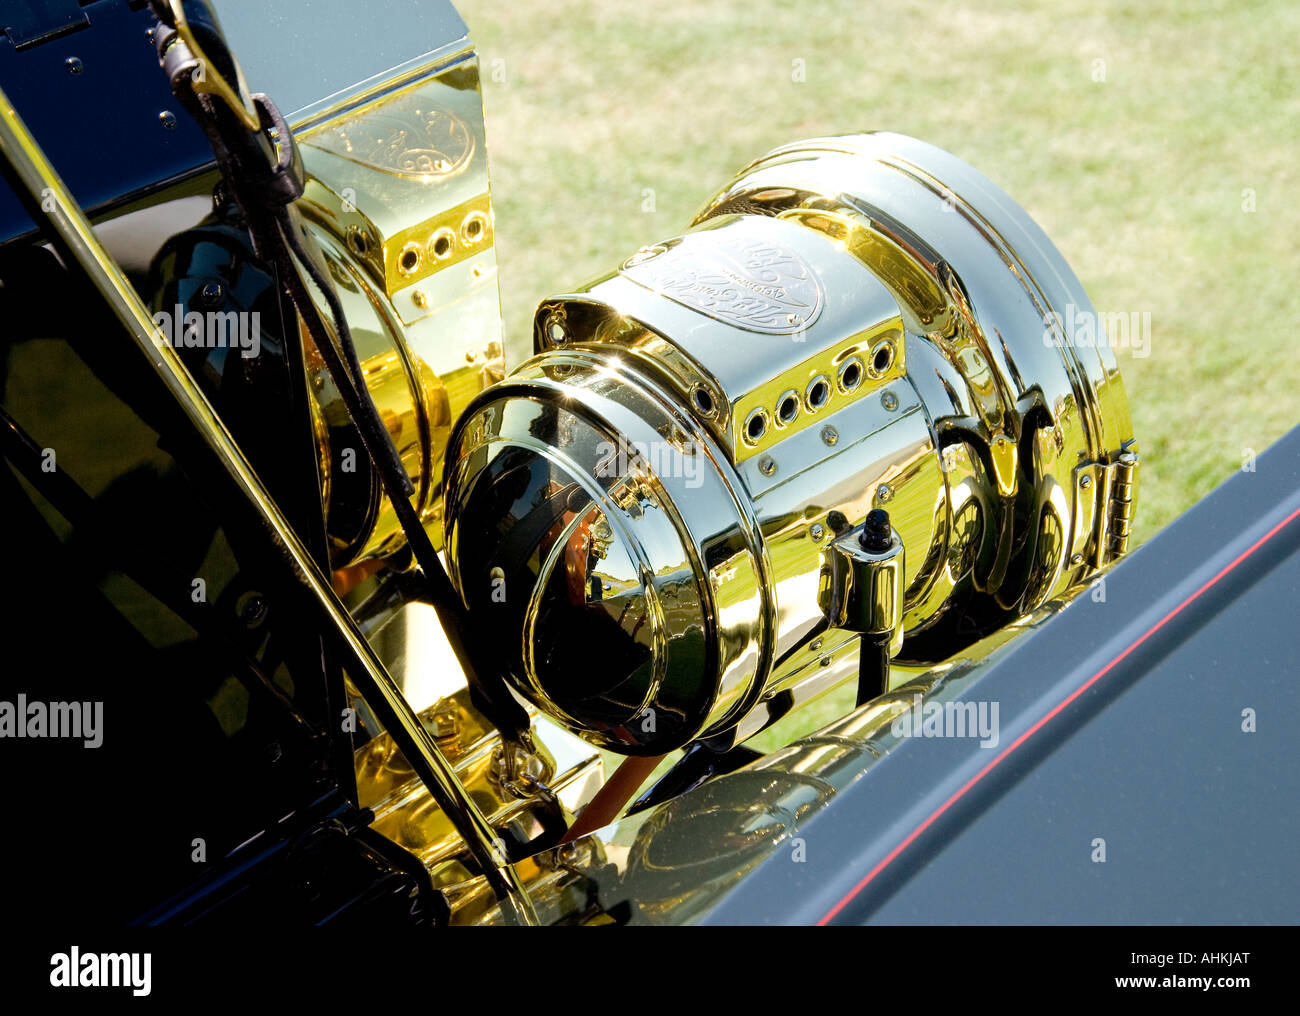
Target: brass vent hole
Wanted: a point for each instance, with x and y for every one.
(851, 376)
(408, 261)
(883, 358)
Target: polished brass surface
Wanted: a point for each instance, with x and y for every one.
(397, 194)
(662, 858)
(617, 549)
(664, 290)
(407, 814)
(407, 637)
(404, 179)
(985, 298)
(853, 323)
(862, 590)
(48, 193)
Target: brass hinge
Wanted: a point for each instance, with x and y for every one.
(1105, 494)
(1117, 520)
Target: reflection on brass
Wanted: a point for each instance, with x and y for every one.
(397, 194)
(664, 862)
(752, 283)
(852, 323)
(861, 590)
(407, 136)
(34, 172)
(407, 171)
(409, 816)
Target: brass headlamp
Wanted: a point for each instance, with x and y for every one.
(397, 196)
(641, 517)
(397, 212)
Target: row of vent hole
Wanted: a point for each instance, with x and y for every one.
(472, 231)
(814, 399)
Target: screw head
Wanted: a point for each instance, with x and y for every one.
(1085, 482)
(420, 298)
(74, 65)
(1077, 559)
(889, 400)
(767, 465)
(211, 294)
(816, 531)
(252, 609)
(884, 492)
(168, 119)
(830, 436)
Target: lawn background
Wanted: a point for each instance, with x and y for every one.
(1139, 135)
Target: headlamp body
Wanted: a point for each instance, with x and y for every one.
(638, 516)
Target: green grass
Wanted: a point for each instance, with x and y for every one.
(1138, 179)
